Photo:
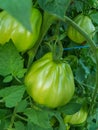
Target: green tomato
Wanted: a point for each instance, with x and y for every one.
(77, 118)
(6, 27)
(21, 37)
(49, 83)
(86, 24)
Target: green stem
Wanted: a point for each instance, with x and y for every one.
(94, 50)
(57, 51)
(94, 95)
(17, 79)
(12, 119)
(22, 118)
(48, 19)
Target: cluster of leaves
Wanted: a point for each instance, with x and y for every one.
(17, 110)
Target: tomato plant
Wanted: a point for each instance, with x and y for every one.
(23, 39)
(86, 24)
(45, 76)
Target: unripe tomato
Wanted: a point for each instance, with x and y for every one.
(50, 83)
(21, 37)
(86, 24)
(77, 118)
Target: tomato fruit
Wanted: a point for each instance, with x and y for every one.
(77, 118)
(21, 37)
(50, 83)
(86, 24)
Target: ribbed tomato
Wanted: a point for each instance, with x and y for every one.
(86, 24)
(21, 37)
(50, 83)
(77, 118)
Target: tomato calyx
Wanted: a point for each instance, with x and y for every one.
(57, 52)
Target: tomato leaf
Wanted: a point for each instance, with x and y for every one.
(19, 125)
(21, 106)
(3, 113)
(4, 123)
(94, 17)
(12, 95)
(56, 7)
(17, 8)
(31, 126)
(70, 108)
(11, 63)
(78, 5)
(82, 72)
(8, 78)
(38, 117)
(59, 118)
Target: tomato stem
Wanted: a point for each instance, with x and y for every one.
(94, 94)
(95, 52)
(57, 51)
(22, 118)
(12, 119)
(48, 19)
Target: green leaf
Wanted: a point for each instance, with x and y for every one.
(3, 112)
(11, 63)
(12, 95)
(4, 124)
(56, 7)
(21, 106)
(82, 72)
(60, 119)
(94, 17)
(31, 126)
(91, 80)
(93, 120)
(70, 108)
(78, 5)
(19, 126)
(17, 8)
(38, 117)
(8, 78)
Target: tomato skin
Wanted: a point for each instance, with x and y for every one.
(77, 118)
(49, 83)
(12, 29)
(86, 24)
(6, 27)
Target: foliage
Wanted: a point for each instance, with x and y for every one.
(18, 111)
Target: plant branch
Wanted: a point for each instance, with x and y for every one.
(95, 52)
(22, 118)
(94, 94)
(12, 119)
(48, 19)
(17, 79)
